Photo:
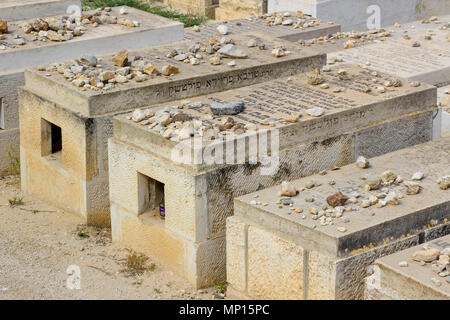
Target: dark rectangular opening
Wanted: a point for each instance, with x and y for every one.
(151, 196)
(56, 138)
(51, 140)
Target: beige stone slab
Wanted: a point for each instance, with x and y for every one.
(366, 226)
(275, 266)
(324, 275)
(413, 281)
(103, 39)
(255, 24)
(273, 101)
(427, 63)
(192, 80)
(201, 7)
(26, 9)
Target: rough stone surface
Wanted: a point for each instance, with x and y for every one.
(230, 108)
(13, 10)
(275, 267)
(418, 281)
(338, 262)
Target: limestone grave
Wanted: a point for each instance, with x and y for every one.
(289, 128)
(354, 14)
(405, 276)
(286, 26)
(414, 53)
(315, 237)
(11, 10)
(418, 50)
(34, 49)
(81, 108)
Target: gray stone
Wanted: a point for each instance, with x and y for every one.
(89, 60)
(229, 108)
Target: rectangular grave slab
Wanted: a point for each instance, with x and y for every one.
(106, 38)
(270, 242)
(428, 62)
(310, 28)
(85, 115)
(11, 10)
(398, 276)
(199, 188)
(100, 40)
(354, 14)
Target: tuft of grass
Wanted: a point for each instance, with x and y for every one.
(221, 287)
(136, 263)
(157, 290)
(83, 235)
(152, 267)
(14, 165)
(188, 19)
(15, 202)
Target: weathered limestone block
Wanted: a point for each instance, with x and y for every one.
(398, 275)
(199, 185)
(203, 7)
(275, 266)
(84, 116)
(339, 245)
(354, 14)
(235, 9)
(27, 9)
(153, 30)
(98, 40)
(427, 61)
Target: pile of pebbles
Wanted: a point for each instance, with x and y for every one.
(374, 191)
(64, 28)
(175, 125)
(88, 72)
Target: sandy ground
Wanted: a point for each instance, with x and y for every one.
(38, 243)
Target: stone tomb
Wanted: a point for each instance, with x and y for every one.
(27, 9)
(77, 176)
(399, 277)
(311, 250)
(106, 38)
(310, 28)
(427, 60)
(354, 14)
(198, 190)
(103, 39)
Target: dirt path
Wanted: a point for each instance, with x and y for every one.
(39, 242)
